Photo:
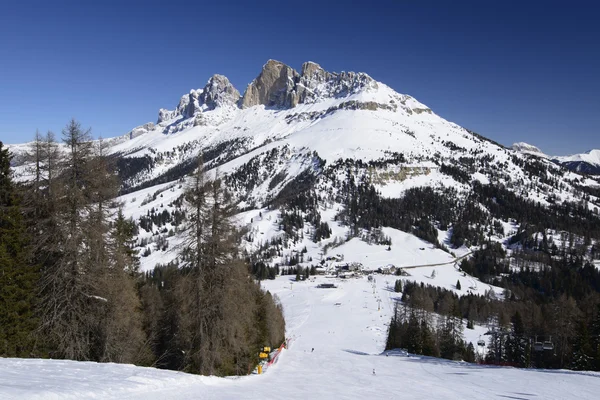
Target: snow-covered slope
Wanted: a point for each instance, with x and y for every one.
(585, 163)
(592, 157)
(346, 331)
(588, 163)
(337, 128)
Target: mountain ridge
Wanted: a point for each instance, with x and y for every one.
(327, 146)
(585, 163)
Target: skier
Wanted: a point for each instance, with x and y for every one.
(313, 349)
(373, 371)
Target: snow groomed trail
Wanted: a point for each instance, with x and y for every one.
(347, 332)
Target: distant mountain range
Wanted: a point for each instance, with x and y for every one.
(584, 163)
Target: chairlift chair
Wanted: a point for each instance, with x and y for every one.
(538, 346)
(548, 345)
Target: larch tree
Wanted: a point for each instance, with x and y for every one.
(217, 304)
(70, 302)
(89, 309)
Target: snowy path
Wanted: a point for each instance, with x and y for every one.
(348, 334)
(455, 261)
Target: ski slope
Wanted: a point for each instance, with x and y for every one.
(348, 334)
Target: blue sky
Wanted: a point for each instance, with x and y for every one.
(509, 71)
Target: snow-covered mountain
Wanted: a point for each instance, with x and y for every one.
(322, 134)
(587, 163)
(338, 170)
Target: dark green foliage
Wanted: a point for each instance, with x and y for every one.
(293, 195)
(486, 263)
(469, 354)
(459, 174)
(398, 286)
(322, 231)
(415, 212)
(129, 167)
(217, 155)
(583, 352)
(262, 271)
(17, 276)
(517, 343)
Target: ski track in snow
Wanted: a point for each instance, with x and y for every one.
(348, 334)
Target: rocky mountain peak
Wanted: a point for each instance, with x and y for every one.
(313, 72)
(219, 91)
(278, 85)
(273, 87)
(526, 148)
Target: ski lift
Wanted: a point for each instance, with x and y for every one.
(548, 345)
(480, 342)
(537, 345)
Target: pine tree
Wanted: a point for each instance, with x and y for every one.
(595, 339)
(17, 276)
(469, 355)
(428, 345)
(517, 343)
(394, 335)
(458, 285)
(413, 338)
(398, 286)
(451, 336)
(583, 356)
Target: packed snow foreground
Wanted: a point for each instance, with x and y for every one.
(346, 326)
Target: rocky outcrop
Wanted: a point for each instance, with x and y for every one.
(274, 86)
(277, 86)
(217, 92)
(280, 86)
(140, 130)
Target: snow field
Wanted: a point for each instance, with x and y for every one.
(348, 335)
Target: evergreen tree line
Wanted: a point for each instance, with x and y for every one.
(553, 306)
(419, 332)
(69, 281)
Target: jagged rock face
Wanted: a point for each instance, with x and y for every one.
(311, 77)
(165, 115)
(279, 85)
(219, 91)
(140, 130)
(273, 87)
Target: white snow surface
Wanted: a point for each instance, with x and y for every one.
(348, 334)
(591, 157)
